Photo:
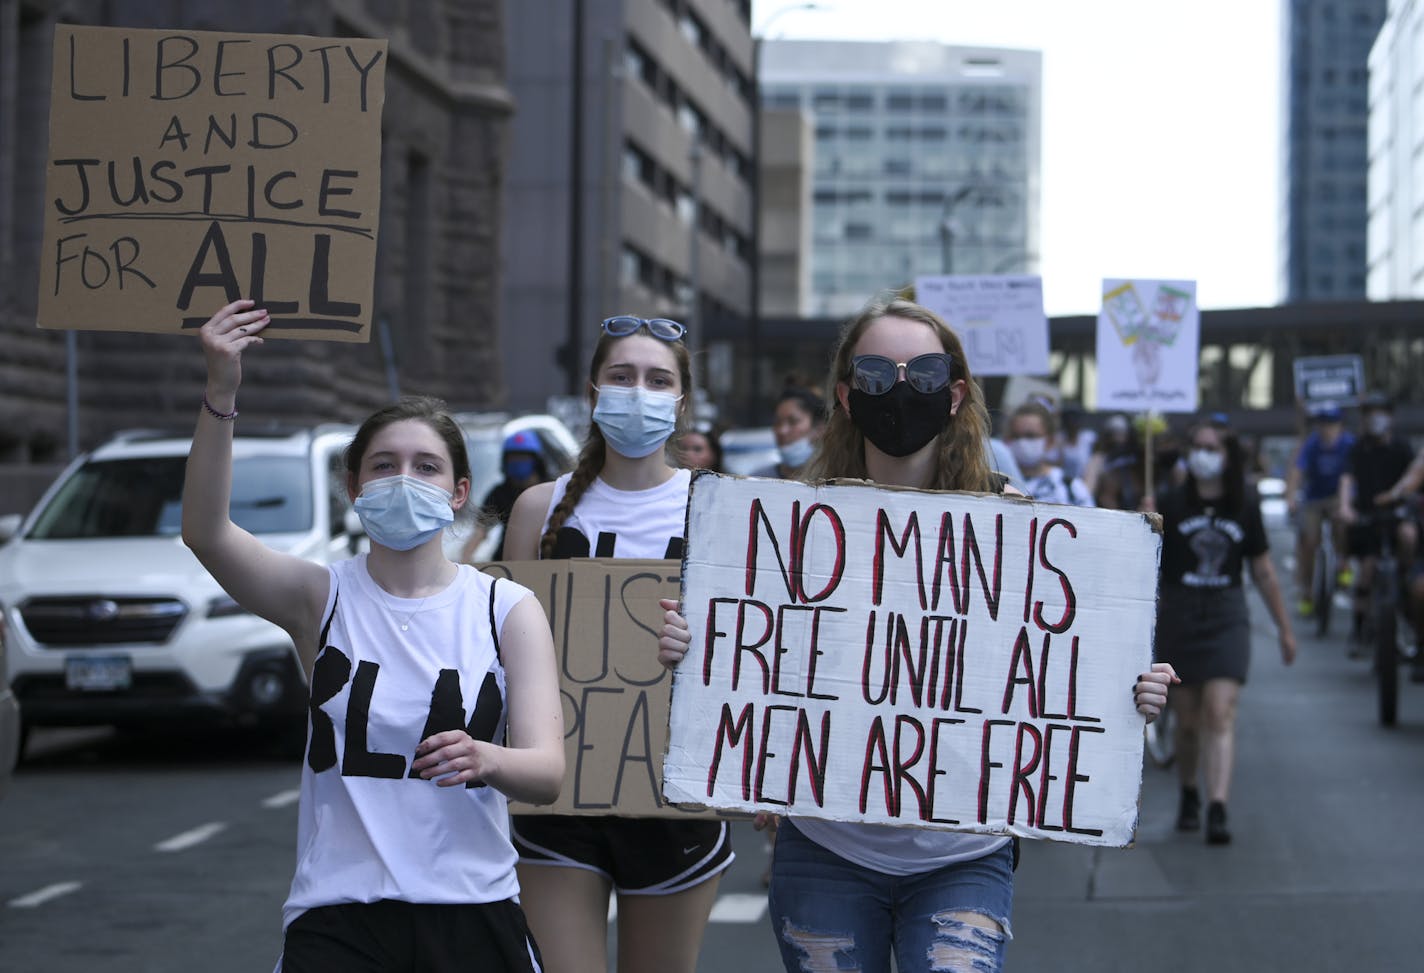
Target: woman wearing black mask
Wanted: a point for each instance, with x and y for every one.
(907, 413)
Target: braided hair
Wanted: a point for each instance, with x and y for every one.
(595, 448)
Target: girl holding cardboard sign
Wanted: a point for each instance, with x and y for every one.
(907, 413)
(623, 499)
(416, 667)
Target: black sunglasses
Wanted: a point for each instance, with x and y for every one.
(876, 374)
(622, 325)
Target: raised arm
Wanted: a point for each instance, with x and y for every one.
(283, 589)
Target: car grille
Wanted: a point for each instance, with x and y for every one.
(95, 620)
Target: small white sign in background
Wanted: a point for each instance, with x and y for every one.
(1148, 345)
(999, 320)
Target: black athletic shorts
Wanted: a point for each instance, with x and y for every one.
(405, 937)
(640, 856)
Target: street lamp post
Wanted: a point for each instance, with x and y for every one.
(946, 229)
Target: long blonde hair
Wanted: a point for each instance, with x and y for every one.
(961, 448)
(595, 447)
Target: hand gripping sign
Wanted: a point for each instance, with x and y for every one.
(934, 660)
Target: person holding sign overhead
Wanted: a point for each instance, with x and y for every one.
(623, 499)
(907, 413)
(417, 667)
(1211, 528)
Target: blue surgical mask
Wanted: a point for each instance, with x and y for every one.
(635, 421)
(402, 512)
(794, 455)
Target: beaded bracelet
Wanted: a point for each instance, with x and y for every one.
(224, 416)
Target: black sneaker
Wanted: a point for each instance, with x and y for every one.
(1216, 831)
(1189, 811)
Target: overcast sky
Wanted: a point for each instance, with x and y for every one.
(1161, 125)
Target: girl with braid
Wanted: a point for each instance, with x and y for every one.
(623, 499)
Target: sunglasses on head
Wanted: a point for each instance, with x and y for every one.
(625, 324)
(876, 374)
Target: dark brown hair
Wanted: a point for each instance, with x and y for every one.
(595, 447)
(430, 411)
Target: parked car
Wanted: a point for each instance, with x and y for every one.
(110, 619)
(744, 451)
(485, 433)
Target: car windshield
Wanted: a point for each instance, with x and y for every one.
(143, 498)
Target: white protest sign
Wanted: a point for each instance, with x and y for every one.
(1147, 346)
(936, 660)
(999, 319)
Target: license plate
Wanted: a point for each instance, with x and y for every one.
(97, 673)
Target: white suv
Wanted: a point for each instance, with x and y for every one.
(110, 619)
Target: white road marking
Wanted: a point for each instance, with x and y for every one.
(41, 896)
(190, 838)
(282, 799)
(739, 907)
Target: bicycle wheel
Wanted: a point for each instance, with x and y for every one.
(1387, 661)
(1161, 737)
(1323, 584)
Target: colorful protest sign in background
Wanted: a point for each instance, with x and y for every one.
(188, 169)
(1147, 346)
(606, 620)
(940, 660)
(999, 320)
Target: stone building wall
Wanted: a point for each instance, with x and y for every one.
(444, 127)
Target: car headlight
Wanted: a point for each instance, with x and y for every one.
(223, 606)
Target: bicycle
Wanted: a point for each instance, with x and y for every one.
(1383, 619)
(1323, 576)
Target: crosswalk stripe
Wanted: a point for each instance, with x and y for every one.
(282, 798)
(41, 896)
(190, 838)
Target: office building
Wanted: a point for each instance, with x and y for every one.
(629, 178)
(926, 160)
(1323, 207)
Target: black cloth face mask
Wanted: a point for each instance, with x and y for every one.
(902, 421)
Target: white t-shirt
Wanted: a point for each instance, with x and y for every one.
(367, 829)
(625, 523)
(897, 851)
(1053, 486)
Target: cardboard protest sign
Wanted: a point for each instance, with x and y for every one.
(1329, 378)
(188, 169)
(606, 621)
(1147, 346)
(937, 660)
(999, 319)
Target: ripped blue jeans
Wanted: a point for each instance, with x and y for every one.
(834, 916)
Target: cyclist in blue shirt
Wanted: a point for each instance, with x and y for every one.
(1312, 486)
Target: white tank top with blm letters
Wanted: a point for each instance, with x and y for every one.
(392, 671)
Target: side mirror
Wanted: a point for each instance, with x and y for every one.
(10, 526)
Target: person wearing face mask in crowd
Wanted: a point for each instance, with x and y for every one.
(907, 413)
(1376, 463)
(799, 418)
(1115, 473)
(700, 448)
(1072, 447)
(522, 462)
(623, 499)
(1030, 433)
(1211, 528)
(417, 668)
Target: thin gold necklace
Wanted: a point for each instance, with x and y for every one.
(405, 625)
